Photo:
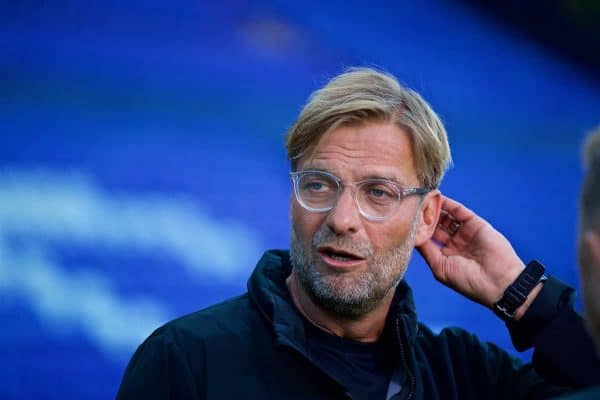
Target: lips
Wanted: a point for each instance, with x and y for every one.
(339, 258)
(339, 253)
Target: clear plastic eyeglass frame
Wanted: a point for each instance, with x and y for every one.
(400, 191)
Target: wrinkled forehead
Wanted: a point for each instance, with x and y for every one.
(363, 151)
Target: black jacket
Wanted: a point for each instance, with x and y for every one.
(254, 347)
(591, 393)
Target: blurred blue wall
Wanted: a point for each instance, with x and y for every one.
(142, 170)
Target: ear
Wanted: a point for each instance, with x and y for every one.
(430, 214)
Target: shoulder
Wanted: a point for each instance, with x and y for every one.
(191, 334)
(183, 343)
(173, 358)
(233, 316)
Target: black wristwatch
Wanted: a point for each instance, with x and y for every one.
(516, 294)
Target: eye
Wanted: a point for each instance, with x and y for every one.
(379, 192)
(316, 184)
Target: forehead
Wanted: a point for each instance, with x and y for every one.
(373, 149)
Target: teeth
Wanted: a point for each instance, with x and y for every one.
(340, 258)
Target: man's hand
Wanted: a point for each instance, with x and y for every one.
(468, 255)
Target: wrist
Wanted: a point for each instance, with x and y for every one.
(519, 295)
(520, 312)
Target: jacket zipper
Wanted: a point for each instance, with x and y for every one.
(411, 376)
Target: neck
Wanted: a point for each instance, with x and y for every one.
(367, 328)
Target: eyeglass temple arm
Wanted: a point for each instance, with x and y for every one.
(411, 191)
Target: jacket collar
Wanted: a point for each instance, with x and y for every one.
(268, 290)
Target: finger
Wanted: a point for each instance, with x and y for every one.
(470, 223)
(446, 228)
(432, 254)
(448, 223)
(441, 235)
(456, 209)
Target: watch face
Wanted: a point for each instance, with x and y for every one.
(535, 269)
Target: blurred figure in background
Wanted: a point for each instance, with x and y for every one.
(589, 239)
(589, 246)
(333, 318)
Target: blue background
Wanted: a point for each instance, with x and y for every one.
(142, 169)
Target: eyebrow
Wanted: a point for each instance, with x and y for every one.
(391, 178)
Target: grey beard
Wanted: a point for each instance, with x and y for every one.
(350, 297)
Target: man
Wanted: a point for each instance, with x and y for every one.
(333, 318)
(589, 247)
(589, 236)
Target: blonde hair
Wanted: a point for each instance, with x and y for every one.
(362, 95)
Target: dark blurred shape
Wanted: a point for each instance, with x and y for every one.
(570, 28)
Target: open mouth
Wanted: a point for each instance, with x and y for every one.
(339, 255)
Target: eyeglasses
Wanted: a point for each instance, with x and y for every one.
(377, 199)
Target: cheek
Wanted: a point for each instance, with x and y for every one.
(384, 240)
(304, 223)
(584, 258)
(589, 272)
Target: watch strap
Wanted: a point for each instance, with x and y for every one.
(516, 294)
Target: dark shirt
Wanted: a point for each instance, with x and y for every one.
(363, 368)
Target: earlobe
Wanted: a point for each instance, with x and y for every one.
(430, 214)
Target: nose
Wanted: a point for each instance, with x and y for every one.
(344, 217)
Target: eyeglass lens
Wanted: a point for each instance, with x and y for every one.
(375, 197)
